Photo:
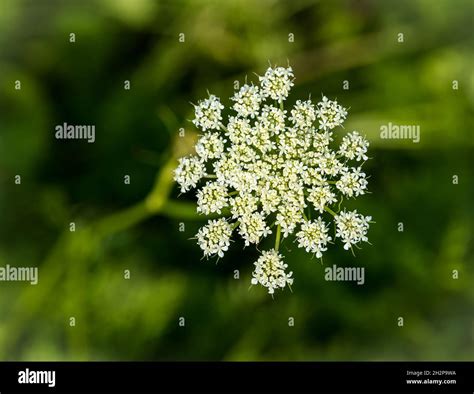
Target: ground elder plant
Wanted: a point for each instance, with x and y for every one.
(267, 170)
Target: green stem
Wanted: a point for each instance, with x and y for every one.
(278, 236)
(121, 220)
(186, 211)
(339, 205)
(330, 211)
(304, 215)
(223, 127)
(161, 189)
(67, 247)
(211, 176)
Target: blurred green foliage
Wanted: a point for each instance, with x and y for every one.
(135, 226)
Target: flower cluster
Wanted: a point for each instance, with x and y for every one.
(352, 227)
(269, 170)
(215, 237)
(270, 271)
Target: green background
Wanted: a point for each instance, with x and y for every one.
(135, 227)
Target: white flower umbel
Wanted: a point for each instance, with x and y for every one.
(243, 204)
(208, 113)
(272, 170)
(253, 227)
(330, 114)
(247, 101)
(303, 114)
(314, 237)
(210, 146)
(189, 172)
(352, 182)
(270, 271)
(272, 119)
(214, 238)
(277, 82)
(354, 146)
(352, 228)
(211, 198)
(321, 196)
